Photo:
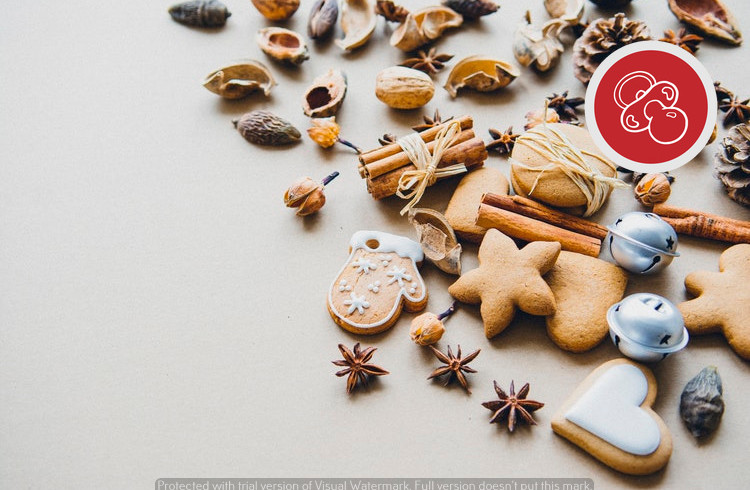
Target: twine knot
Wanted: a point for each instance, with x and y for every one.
(412, 183)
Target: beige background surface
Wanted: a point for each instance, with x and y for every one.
(162, 313)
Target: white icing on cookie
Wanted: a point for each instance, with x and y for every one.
(358, 303)
(387, 243)
(365, 266)
(610, 409)
(399, 275)
(374, 287)
(343, 286)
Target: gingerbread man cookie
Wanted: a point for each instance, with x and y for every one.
(609, 416)
(508, 278)
(723, 300)
(379, 279)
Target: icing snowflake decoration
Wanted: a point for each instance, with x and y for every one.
(364, 265)
(355, 302)
(412, 290)
(399, 275)
(374, 287)
(343, 286)
(385, 259)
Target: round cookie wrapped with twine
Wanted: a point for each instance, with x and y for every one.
(559, 165)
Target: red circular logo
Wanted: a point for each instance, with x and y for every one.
(651, 106)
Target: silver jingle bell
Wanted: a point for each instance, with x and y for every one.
(642, 243)
(647, 327)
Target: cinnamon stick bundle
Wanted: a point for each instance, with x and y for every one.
(472, 153)
(530, 229)
(704, 225)
(384, 166)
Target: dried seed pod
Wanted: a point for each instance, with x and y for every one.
(307, 195)
(358, 20)
(424, 26)
(711, 17)
(390, 11)
(481, 74)
(472, 9)
(701, 404)
(325, 95)
(437, 238)
(323, 17)
(652, 189)
(282, 45)
(200, 13)
(428, 328)
(403, 88)
(276, 9)
(570, 10)
(240, 80)
(265, 128)
(540, 48)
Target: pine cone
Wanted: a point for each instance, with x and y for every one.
(601, 38)
(733, 163)
(472, 9)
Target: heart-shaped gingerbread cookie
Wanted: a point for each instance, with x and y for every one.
(609, 416)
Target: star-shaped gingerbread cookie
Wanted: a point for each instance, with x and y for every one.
(723, 300)
(508, 278)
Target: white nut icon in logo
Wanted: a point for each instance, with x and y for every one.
(648, 105)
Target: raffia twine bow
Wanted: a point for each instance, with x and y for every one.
(413, 183)
(562, 154)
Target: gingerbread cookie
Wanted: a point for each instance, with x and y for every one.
(378, 280)
(462, 209)
(508, 278)
(609, 416)
(580, 320)
(723, 300)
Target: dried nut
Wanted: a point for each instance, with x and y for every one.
(424, 26)
(701, 404)
(264, 128)
(326, 94)
(426, 329)
(437, 238)
(282, 45)
(403, 88)
(358, 20)
(276, 9)
(472, 9)
(481, 74)
(542, 48)
(324, 131)
(652, 189)
(306, 195)
(240, 80)
(323, 17)
(200, 13)
(711, 17)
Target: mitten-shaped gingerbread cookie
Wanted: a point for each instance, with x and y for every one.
(378, 280)
(723, 300)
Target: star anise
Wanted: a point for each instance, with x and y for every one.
(431, 122)
(387, 139)
(565, 106)
(455, 366)
(357, 367)
(502, 142)
(512, 406)
(429, 62)
(391, 11)
(688, 42)
(738, 111)
(722, 93)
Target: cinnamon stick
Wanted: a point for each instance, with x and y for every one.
(532, 209)
(377, 168)
(529, 229)
(427, 135)
(705, 227)
(471, 153)
(665, 210)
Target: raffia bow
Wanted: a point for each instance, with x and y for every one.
(413, 183)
